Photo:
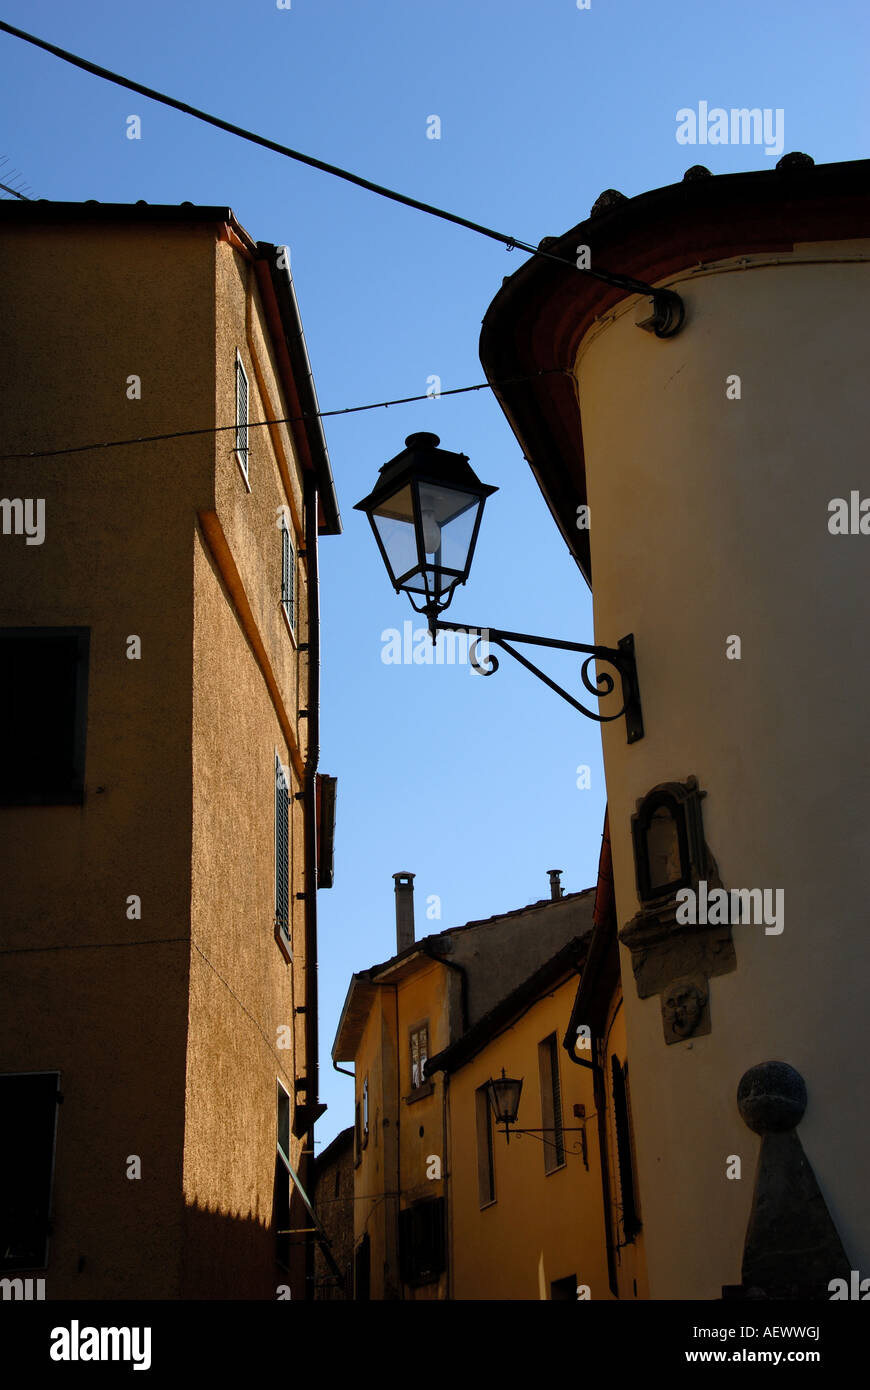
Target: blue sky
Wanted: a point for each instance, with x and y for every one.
(469, 783)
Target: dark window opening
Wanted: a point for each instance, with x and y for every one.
(28, 1105)
(43, 715)
(421, 1241)
(564, 1290)
(281, 1203)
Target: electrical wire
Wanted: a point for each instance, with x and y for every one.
(280, 420)
(625, 282)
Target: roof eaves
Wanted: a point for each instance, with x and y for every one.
(565, 962)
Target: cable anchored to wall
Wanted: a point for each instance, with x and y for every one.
(667, 317)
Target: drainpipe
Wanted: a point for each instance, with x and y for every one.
(312, 1067)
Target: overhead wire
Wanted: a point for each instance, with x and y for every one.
(625, 282)
(279, 420)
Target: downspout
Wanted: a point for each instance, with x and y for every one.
(447, 1174)
(312, 1066)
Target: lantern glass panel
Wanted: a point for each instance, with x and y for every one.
(504, 1096)
(448, 518)
(394, 521)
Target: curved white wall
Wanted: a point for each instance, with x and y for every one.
(709, 517)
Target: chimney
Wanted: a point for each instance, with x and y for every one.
(555, 884)
(404, 910)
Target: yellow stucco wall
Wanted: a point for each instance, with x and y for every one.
(243, 989)
(542, 1226)
(709, 519)
(91, 994)
(397, 1155)
(179, 798)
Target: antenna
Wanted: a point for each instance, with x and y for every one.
(14, 174)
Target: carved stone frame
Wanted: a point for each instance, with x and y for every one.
(663, 950)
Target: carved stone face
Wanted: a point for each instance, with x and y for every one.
(682, 1005)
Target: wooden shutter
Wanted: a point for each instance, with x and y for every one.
(282, 850)
(242, 415)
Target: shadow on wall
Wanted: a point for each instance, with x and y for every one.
(236, 1257)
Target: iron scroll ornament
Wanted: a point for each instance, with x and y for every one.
(621, 658)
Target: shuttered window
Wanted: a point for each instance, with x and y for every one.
(288, 576)
(622, 1120)
(551, 1104)
(282, 850)
(485, 1155)
(241, 415)
(419, 1055)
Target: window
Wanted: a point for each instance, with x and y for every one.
(28, 1104)
(622, 1120)
(421, 1241)
(288, 575)
(551, 1105)
(282, 851)
(419, 1055)
(357, 1135)
(485, 1155)
(365, 1112)
(281, 1204)
(43, 715)
(242, 450)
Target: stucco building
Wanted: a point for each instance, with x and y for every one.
(164, 826)
(723, 469)
(421, 1030)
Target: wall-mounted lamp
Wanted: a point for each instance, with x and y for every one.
(425, 513)
(504, 1099)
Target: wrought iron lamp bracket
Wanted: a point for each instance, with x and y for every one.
(621, 658)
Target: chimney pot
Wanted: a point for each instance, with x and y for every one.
(555, 883)
(404, 910)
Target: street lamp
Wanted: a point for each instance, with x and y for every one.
(425, 512)
(504, 1097)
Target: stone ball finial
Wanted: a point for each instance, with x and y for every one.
(772, 1097)
(610, 198)
(795, 160)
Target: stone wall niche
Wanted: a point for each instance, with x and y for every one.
(672, 959)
